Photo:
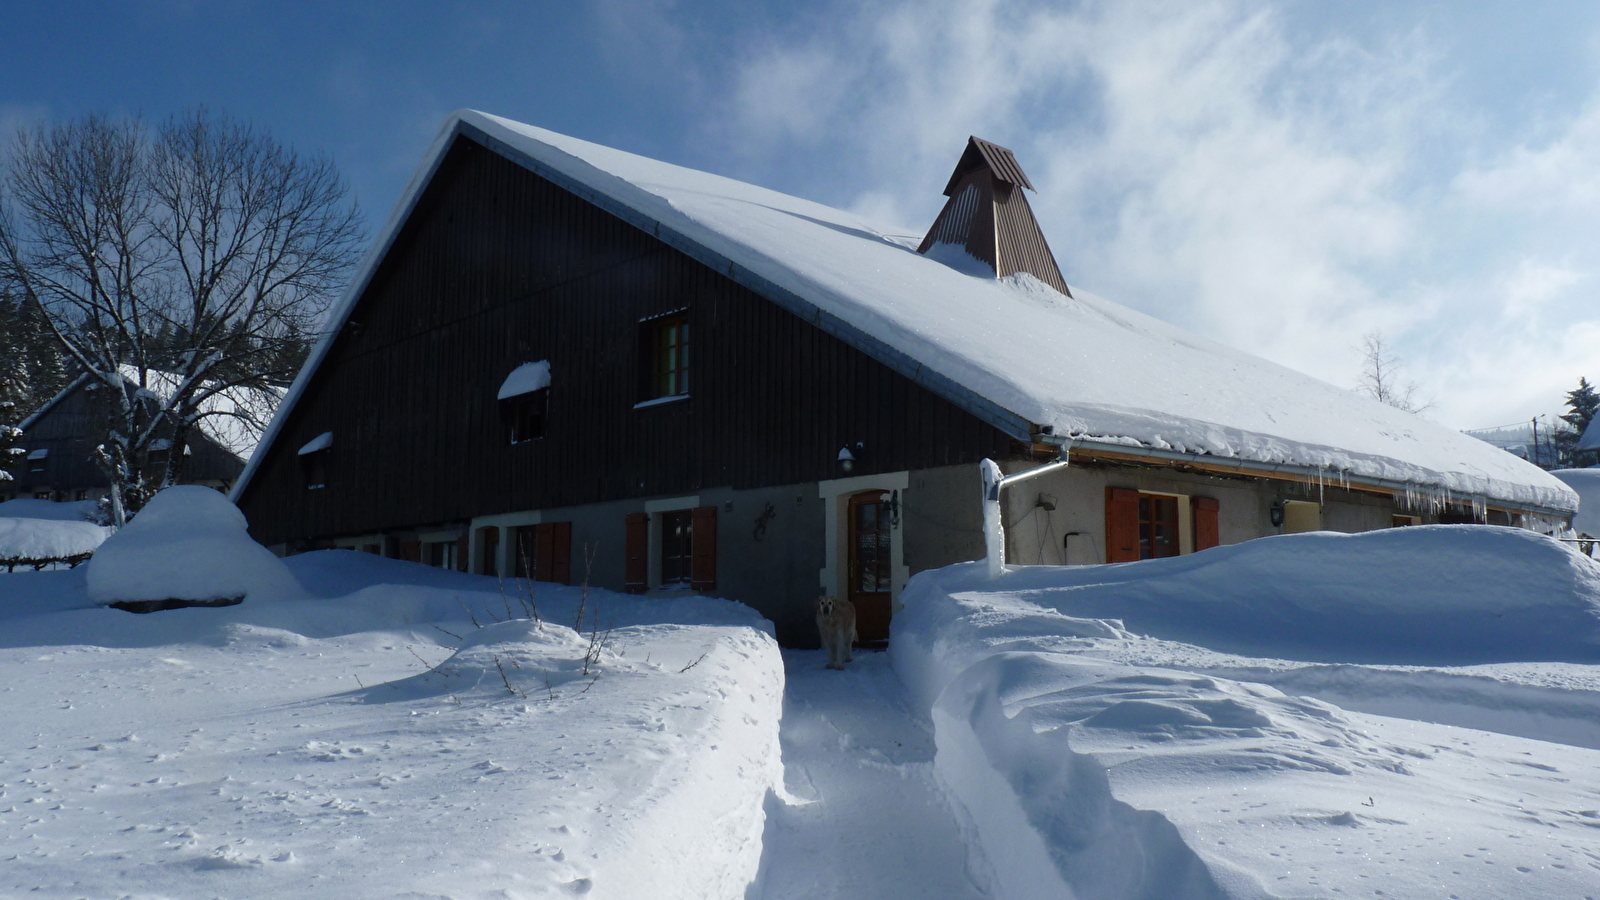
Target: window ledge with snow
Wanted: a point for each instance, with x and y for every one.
(660, 400)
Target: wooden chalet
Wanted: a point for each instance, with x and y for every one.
(60, 438)
(569, 363)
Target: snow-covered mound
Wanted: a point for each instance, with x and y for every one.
(1095, 761)
(25, 540)
(1431, 595)
(29, 508)
(401, 732)
(1587, 483)
(188, 543)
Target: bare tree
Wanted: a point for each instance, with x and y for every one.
(185, 268)
(1380, 376)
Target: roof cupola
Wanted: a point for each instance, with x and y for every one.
(988, 217)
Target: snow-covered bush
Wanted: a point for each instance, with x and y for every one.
(187, 547)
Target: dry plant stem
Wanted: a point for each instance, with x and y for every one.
(451, 633)
(418, 656)
(503, 679)
(694, 662)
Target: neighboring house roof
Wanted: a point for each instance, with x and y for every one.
(1590, 439)
(1012, 351)
(234, 421)
(233, 418)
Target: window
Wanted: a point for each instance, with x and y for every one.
(37, 459)
(314, 460)
(41, 495)
(543, 552)
(1158, 526)
(440, 554)
(1147, 526)
(664, 357)
(524, 399)
(80, 495)
(524, 415)
(677, 547)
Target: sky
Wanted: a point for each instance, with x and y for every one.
(1285, 177)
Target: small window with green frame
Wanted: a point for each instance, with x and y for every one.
(664, 357)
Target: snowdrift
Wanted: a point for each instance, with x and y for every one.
(1085, 771)
(1587, 483)
(71, 511)
(27, 540)
(187, 545)
(394, 730)
(1430, 595)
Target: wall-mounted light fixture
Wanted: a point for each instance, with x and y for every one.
(847, 459)
(1276, 513)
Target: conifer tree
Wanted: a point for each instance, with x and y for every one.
(1582, 404)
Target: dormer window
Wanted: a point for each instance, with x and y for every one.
(314, 460)
(664, 357)
(524, 399)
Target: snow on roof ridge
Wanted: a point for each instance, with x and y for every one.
(1080, 365)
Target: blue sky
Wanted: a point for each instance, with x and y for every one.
(1280, 176)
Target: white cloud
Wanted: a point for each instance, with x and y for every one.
(1281, 189)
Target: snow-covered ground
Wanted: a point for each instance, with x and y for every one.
(862, 814)
(1411, 713)
(372, 741)
(41, 530)
(1443, 744)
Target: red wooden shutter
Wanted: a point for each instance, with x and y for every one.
(1207, 533)
(544, 551)
(636, 562)
(1122, 525)
(461, 552)
(561, 552)
(703, 568)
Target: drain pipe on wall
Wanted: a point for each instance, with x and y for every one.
(994, 535)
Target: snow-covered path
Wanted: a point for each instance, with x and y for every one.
(864, 817)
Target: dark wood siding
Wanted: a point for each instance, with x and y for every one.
(496, 267)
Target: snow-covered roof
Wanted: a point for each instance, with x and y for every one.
(1012, 351)
(1590, 439)
(232, 417)
(525, 379)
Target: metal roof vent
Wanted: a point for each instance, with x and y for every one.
(988, 218)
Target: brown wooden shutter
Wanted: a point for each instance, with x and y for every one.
(411, 551)
(462, 543)
(636, 562)
(703, 569)
(561, 552)
(544, 551)
(1207, 532)
(1122, 525)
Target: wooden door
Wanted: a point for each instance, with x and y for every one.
(870, 572)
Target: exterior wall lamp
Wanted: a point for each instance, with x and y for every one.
(1276, 513)
(847, 459)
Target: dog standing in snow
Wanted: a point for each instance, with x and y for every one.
(836, 622)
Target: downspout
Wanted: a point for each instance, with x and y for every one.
(994, 536)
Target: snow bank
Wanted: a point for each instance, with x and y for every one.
(374, 741)
(187, 543)
(1587, 483)
(73, 511)
(24, 540)
(1430, 595)
(1085, 771)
